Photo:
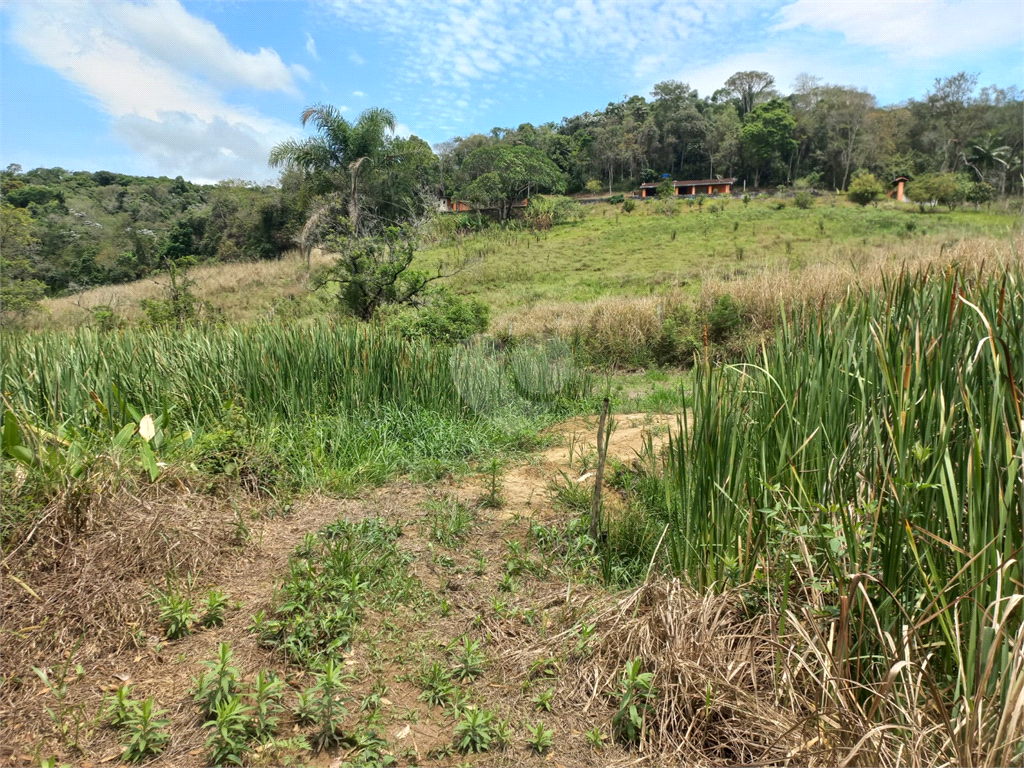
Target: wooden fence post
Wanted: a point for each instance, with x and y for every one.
(602, 450)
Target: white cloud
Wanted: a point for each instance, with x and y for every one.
(926, 29)
(491, 39)
(402, 130)
(311, 47)
(359, 94)
(356, 59)
(159, 73)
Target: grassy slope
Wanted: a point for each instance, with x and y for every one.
(608, 253)
(611, 253)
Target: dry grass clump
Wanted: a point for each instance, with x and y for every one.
(241, 290)
(620, 329)
(669, 327)
(83, 569)
(761, 294)
(718, 701)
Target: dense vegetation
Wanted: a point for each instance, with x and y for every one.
(64, 231)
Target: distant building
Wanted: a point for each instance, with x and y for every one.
(898, 189)
(693, 187)
(451, 205)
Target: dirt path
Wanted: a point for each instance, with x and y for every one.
(469, 581)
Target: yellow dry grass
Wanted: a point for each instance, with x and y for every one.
(241, 291)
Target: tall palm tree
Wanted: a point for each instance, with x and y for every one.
(337, 157)
(991, 152)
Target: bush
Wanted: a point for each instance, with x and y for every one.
(803, 200)
(864, 188)
(548, 211)
(666, 190)
(446, 318)
(628, 206)
(594, 187)
(616, 199)
(723, 319)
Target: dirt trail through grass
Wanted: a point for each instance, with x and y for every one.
(470, 593)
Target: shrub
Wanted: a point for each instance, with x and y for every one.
(803, 200)
(864, 188)
(445, 318)
(628, 206)
(666, 190)
(616, 199)
(723, 319)
(594, 187)
(546, 211)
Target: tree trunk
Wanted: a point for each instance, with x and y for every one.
(353, 195)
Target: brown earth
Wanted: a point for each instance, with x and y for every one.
(390, 649)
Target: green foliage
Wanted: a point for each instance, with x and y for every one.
(373, 272)
(767, 134)
(628, 206)
(448, 521)
(218, 683)
(443, 317)
(864, 188)
(501, 175)
(596, 737)
(543, 700)
(177, 614)
(665, 190)
(540, 738)
(619, 200)
(594, 186)
(121, 709)
(636, 693)
(469, 659)
(230, 724)
(180, 306)
(547, 211)
(146, 733)
(436, 682)
(723, 319)
(328, 579)
(949, 189)
(936, 424)
(473, 731)
(326, 708)
(216, 604)
(267, 697)
(803, 200)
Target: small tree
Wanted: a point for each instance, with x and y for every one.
(864, 188)
(666, 190)
(180, 305)
(949, 189)
(980, 192)
(594, 187)
(375, 271)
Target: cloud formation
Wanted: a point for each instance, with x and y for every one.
(159, 72)
(926, 29)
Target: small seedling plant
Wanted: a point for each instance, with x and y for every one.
(540, 739)
(267, 694)
(231, 727)
(215, 607)
(177, 614)
(469, 660)
(121, 708)
(436, 682)
(543, 700)
(636, 703)
(146, 733)
(473, 732)
(326, 708)
(217, 683)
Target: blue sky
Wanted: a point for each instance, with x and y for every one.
(204, 89)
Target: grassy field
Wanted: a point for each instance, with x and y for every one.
(662, 245)
(653, 250)
(313, 542)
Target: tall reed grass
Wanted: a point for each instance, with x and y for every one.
(319, 404)
(863, 473)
